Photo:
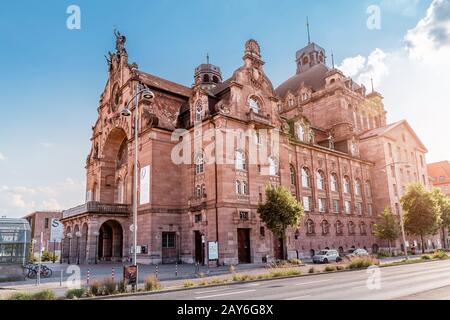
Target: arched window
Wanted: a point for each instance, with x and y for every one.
(358, 190)
(306, 178)
(351, 228)
(199, 164)
(293, 175)
(199, 112)
(325, 227)
(305, 60)
(368, 189)
(120, 192)
(273, 166)
(238, 187)
(215, 79)
(339, 228)
(346, 185)
(334, 183)
(310, 227)
(244, 188)
(206, 78)
(362, 227)
(320, 180)
(301, 132)
(122, 156)
(198, 192)
(241, 163)
(254, 104)
(204, 195)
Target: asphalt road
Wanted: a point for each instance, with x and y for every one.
(418, 281)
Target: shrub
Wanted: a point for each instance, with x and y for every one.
(441, 255)
(95, 289)
(20, 296)
(44, 295)
(189, 284)
(121, 287)
(241, 277)
(362, 262)
(218, 281)
(383, 254)
(203, 283)
(426, 257)
(284, 273)
(311, 270)
(295, 262)
(152, 284)
(330, 268)
(75, 293)
(48, 256)
(340, 268)
(109, 287)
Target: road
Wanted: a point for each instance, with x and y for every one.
(417, 281)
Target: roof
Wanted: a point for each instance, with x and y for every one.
(165, 85)
(43, 212)
(439, 169)
(384, 130)
(313, 77)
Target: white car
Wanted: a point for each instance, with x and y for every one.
(359, 253)
(326, 256)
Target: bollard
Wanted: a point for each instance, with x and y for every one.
(112, 274)
(61, 279)
(157, 272)
(176, 269)
(88, 276)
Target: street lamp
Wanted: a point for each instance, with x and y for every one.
(78, 235)
(96, 234)
(146, 94)
(402, 226)
(62, 250)
(69, 236)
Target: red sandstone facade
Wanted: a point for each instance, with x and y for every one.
(439, 173)
(321, 135)
(40, 222)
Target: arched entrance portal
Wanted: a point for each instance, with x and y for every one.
(110, 242)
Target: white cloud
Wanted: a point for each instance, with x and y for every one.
(18, 201)
(362, 69)
(404, 7)
(412, 78)
(47, 144)
(2, 157)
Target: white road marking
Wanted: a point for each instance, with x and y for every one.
(297, 298)
(211, 291)
(225, 294)
(312, 282)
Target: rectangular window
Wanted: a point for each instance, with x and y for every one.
(348, 207)
(370, 210)
(46, 223)
(244, 216)
(322, 205)
(168, 240)
(359, 210)
(336, 206)
(262, 232)
(394, 186)
(307, 204)
(198, 218)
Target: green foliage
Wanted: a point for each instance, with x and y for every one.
(121, 287)
(109, 287)
(95, 289)
(422, 211)
(362, 262)
(242, 277)
(75, 293)
(189, 284)
(152, 284)
(47, 256)
(281, 210)
(284, 273)
(387, 227)
(311, 270)
(426, 257)
(21, 296)
(383, 254)
(440, 254)
(330, 268)
(340, 268)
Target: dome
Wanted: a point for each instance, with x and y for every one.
(313, 77)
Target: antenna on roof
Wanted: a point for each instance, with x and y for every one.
(332, 58)
(207, 58)
(371, 81)
(307, 27)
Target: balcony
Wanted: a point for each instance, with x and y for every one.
(97, 208)
(259, 118)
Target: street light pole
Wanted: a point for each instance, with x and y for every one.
(69, 235)
(149, 95)
(96, 234)
(78, 235)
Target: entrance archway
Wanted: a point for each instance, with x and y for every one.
(110, 241)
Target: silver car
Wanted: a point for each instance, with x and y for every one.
(327, 256)
(358, 253)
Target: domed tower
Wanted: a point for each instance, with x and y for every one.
(207, 75)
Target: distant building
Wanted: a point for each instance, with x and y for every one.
(439, 173)
(40, 221)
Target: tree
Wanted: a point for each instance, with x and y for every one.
(387, 227)
(444, 208)
(422, 212)
(281, 210)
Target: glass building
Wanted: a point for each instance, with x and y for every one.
(15, 239)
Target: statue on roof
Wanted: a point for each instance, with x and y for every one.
(120, 42)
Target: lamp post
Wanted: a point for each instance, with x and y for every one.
(62, 250)
(402, 226)
(78, 235)
(69, 236)
(145, 93)
(96, 234)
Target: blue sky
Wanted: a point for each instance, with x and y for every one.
(52, 77)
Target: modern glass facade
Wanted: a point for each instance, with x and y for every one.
(15, 239)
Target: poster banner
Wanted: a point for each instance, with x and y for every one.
(56, 231)
(130, 274)
(213, 251)
(145, 186)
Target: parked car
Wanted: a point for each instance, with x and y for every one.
(326, 256)
(358, 253)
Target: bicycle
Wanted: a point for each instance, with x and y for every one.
(33, 269)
